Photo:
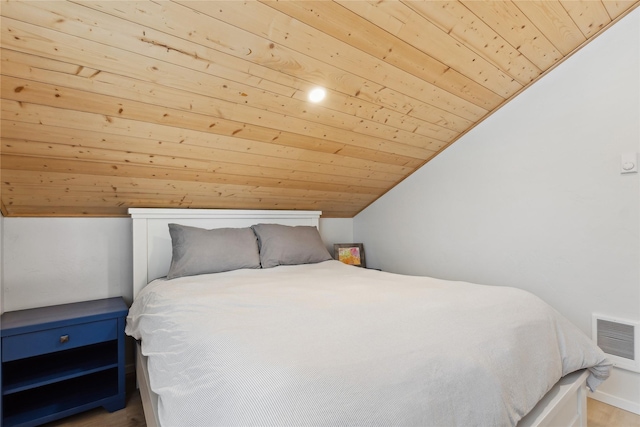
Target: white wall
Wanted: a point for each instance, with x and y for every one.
(533, 197)
(62, 260)
(336, 230)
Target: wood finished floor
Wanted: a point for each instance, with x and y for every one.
(598, 415)
(602, 415)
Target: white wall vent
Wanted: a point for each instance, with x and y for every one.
(619, 339)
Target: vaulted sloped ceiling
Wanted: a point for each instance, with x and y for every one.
(203, 104)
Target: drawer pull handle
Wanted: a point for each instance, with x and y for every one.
(64, 339)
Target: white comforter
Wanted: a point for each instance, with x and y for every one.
(331, 344)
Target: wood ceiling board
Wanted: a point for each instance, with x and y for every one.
(257, 19)
(26, 91)
(227, 36)
(192, 146)
(104, 83)
(206, 168)
(123, 103)
(437, 145)
(554, 22)
(459, 22)
(28, 194)
(15, 179)
(87, 168)
(222, 99)
(590, 17)
(39, 114)
(226, 161)
(506, 19)
(383, 44)
(83, 201)
(67, 211)
(242, 115)
(616, 8)
(423, 35)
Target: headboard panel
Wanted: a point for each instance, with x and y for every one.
(152, 242)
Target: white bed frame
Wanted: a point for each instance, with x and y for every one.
(564, 405)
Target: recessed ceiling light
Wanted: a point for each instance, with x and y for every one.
(317, 94)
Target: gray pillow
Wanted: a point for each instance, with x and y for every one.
(285, 245)
(200, 251)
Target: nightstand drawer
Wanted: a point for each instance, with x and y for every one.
(58, 339)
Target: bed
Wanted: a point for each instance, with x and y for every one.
(312, 341)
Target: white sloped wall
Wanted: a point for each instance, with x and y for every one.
(533, 197)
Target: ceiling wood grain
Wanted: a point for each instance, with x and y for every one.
(108, 105)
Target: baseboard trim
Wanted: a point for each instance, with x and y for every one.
(616, 401)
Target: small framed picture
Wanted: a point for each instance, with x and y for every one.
(350, 253)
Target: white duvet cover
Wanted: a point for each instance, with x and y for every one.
(331, 344)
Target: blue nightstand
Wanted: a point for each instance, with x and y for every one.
(61, 360)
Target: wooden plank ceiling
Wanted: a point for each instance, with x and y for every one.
(203, 104)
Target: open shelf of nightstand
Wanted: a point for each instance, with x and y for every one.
(37, 371)
(62, 398)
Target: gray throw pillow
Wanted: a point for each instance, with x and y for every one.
(285, 245)
(200, 251)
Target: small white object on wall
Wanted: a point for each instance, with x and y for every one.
(629, 163)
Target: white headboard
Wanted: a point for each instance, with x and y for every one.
(152, 242)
